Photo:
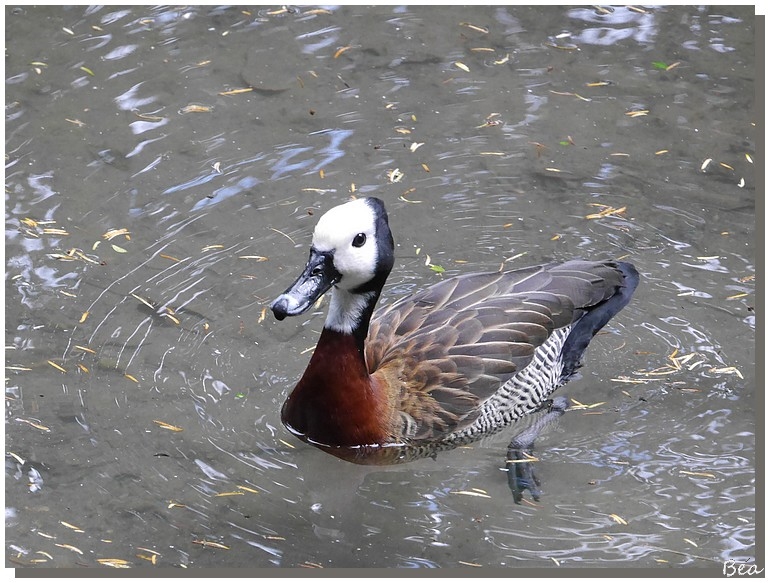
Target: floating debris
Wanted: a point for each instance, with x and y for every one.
(579, 406)
(698, 474)
(196, 108)
(606, 211)
(481, 29)
(569, 94)
(164, 425)
(471, 493)
(147, 303)
(247, 489)
(395, 175)
(56, 366)
(112, 233)
(618, 519)
(342, 50)
(237, 91)
(115, 563)
(69, 547)
(211, 544)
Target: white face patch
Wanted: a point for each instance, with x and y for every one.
(349, 232)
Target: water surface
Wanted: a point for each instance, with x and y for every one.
(164, 170)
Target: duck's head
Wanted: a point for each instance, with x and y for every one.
(352, 251)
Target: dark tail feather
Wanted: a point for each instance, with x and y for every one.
(596, 318)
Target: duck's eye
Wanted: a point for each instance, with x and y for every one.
(359, 240)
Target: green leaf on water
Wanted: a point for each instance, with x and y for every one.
(659, 65)
(437, 268)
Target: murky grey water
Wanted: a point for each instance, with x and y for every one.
(179, 158)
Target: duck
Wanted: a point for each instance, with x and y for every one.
(446, 365)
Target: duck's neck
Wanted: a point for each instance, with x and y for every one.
(337, 402)
(349, 314)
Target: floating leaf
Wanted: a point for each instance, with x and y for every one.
(69, 547)
(462, 66)
(56, 366)
(659, 65)
(196, 108)
(341, 50)
(236, 91)
(471, 493)
(481, 29)
(212, 544)
(618, 519)
(112, 233)
(87, 70)
(168, 426)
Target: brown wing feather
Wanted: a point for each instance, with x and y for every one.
(449, 347)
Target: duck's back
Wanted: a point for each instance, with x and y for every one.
(470, 354)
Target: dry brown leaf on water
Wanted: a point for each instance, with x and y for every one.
(481, 29)
(164, 425)
(618, 519)
(112, 233)
(471, 493)
(56, 366)
(247, 489)
(342, 50)
(69, 547)
(195, 108)
(697, 474)
(211, 544)
(570, 94)
(606, 211)
(394, 175)
(237, 91)
(115, 563)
